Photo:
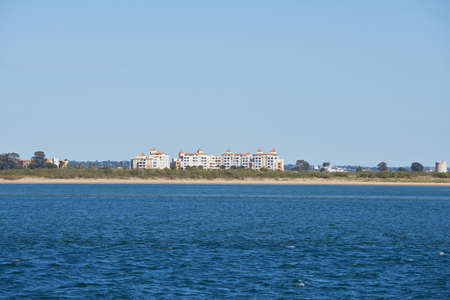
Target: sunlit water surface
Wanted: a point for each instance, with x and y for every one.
(224, 241)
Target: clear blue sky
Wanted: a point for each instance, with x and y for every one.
(350, 82)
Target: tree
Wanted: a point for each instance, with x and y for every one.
(417, 167)
(9, 161)
(325, 167)
(302, 165)
(402, 169)
(50, 165)
(382, 166)
(38, 160)
(359, 169)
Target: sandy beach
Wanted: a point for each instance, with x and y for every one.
(315, 181)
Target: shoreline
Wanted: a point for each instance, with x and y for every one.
(301, 181)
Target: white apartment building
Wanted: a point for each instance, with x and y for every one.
(230, 160)
(155, 160)
(236, 160)
(215, 161)
(441, 167)
(269, 160)
(196, 159)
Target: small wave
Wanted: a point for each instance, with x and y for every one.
(442, 253)
(299, 284)
(290, 247)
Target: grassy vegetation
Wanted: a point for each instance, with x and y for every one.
(194, 173)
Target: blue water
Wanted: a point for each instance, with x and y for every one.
(224, 241)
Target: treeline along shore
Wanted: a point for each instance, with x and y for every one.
(11, 175)
(40, 169)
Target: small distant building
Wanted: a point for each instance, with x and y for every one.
(441, 167)
(155, 160)
(55, 161)
(24, 163)
(327, 167)
(59, 163)
(63, 164)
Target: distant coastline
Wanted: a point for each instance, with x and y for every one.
(251, 181)
(236, 176)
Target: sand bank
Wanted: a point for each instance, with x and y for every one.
(299, 181)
